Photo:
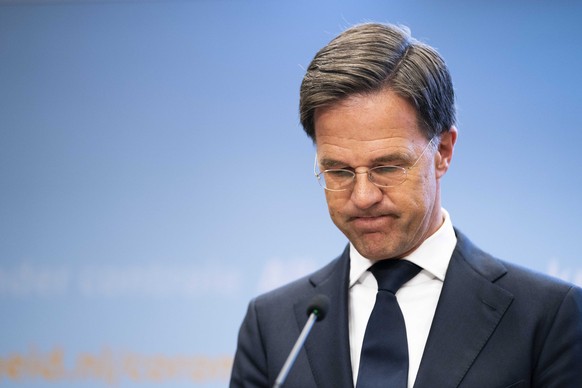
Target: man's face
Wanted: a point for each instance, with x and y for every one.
(365, 131)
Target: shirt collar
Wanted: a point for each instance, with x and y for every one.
(433, 255)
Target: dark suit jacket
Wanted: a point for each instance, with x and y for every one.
(496, 326)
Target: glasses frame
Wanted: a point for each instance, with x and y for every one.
(368, 171)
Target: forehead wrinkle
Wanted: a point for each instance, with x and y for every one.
(352, 145)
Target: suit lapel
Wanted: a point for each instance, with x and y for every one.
(327, 346)
(469, 309)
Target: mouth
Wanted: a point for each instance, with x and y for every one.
(370, 224)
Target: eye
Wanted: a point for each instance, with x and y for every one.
(339, 174)
(387, 170)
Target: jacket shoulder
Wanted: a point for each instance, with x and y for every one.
(302, 287)
(515, 278)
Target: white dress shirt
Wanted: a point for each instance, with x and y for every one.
(417, 298)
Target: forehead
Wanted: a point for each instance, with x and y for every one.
(367, 125)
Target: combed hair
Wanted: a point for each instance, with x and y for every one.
(370, 57)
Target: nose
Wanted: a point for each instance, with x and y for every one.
(365, 194)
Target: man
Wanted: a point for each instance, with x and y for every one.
(379, 107)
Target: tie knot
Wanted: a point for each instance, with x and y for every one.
(391, 274)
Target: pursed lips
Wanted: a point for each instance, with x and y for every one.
(371, 223)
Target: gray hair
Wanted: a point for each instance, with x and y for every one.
(370, 57)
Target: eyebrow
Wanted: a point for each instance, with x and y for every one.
(387, 159)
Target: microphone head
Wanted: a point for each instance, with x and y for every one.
(318, 305)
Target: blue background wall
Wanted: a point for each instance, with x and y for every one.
(154, 177)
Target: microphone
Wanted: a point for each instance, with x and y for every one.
(316, 310)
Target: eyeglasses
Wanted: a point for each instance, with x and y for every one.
(382, 176)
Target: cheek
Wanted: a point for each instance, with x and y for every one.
(417, 196)
(424, 182)
(335, 202)
(424, 196)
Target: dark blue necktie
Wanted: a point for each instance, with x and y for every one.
(384, 359)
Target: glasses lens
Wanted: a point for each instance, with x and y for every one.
(336, 179)
(387, 176)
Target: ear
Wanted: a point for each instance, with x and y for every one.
(444, 155)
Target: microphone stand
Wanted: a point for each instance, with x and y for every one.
(295, 351)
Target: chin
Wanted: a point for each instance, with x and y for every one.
(374, 252)
(378, 249)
